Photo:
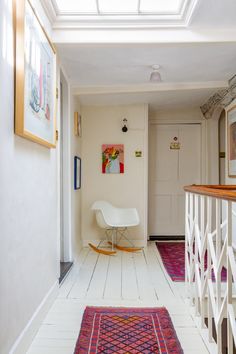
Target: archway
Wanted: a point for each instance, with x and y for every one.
(222, 146)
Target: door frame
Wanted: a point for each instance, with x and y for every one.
(224, 127)
(204, 147)
(64, 250)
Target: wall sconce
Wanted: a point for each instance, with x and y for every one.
(124, 128)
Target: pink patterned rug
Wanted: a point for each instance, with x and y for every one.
(173, 258)
(111, 330)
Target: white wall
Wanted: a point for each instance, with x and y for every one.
(102, 125)
(213, 151)
(28, 208)
(178, 114)
(76, 219)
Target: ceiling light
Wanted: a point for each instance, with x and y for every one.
(155, 75)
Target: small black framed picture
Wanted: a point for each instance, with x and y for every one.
(77, 172)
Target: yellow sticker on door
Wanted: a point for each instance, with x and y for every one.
(175, 145)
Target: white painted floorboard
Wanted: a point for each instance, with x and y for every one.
(127, 279)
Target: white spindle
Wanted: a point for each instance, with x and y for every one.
(208, 275)
(229, 277)
(196, 261)
(187, 280)
(190, 249)
(217, 272)
(202, 256)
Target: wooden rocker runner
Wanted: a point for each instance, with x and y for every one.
(98, 250)
(126, 249)
(116, 222)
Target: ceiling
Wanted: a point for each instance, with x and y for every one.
(116, 68)
(98, 65)
(158, 101)
(214, 14)
(201, 55)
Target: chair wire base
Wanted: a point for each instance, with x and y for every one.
(115, 234)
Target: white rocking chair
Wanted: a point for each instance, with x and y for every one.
(116, 222)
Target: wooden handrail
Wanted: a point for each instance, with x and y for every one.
(227, 192)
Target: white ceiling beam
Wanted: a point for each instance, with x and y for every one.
(98, 8)
(141, 36)
(92, 90)
(138, 7)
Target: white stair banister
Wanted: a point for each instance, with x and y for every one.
(208, 233)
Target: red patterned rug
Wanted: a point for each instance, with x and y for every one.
(111, 330)
(173, 258)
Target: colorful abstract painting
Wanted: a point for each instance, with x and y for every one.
(112, 158)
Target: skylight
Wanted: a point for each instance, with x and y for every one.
(117, 7)
(112, 14)
(160, 6)
(79, 6)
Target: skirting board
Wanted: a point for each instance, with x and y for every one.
(24, 340)
(137, 243)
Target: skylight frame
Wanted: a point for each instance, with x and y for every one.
(72, 20)
(98, 13)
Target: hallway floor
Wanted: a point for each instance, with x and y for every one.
(127, 279)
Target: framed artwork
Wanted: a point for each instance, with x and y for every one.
(77, 172)
(77, 124)
(35, 84)
(231, 133)
(112, 158)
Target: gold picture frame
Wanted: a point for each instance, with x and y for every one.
(231, 141)
(35, 78)
(77, 124)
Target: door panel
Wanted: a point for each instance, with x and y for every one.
(165, 168)
(163, 203)
(170, 170)
(190, 154)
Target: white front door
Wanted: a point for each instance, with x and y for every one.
(175, 161)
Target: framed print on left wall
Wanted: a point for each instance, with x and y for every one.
(35, 78)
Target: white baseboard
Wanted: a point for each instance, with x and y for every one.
(137, 243)
(24, 340)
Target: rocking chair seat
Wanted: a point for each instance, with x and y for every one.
(109, 217)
